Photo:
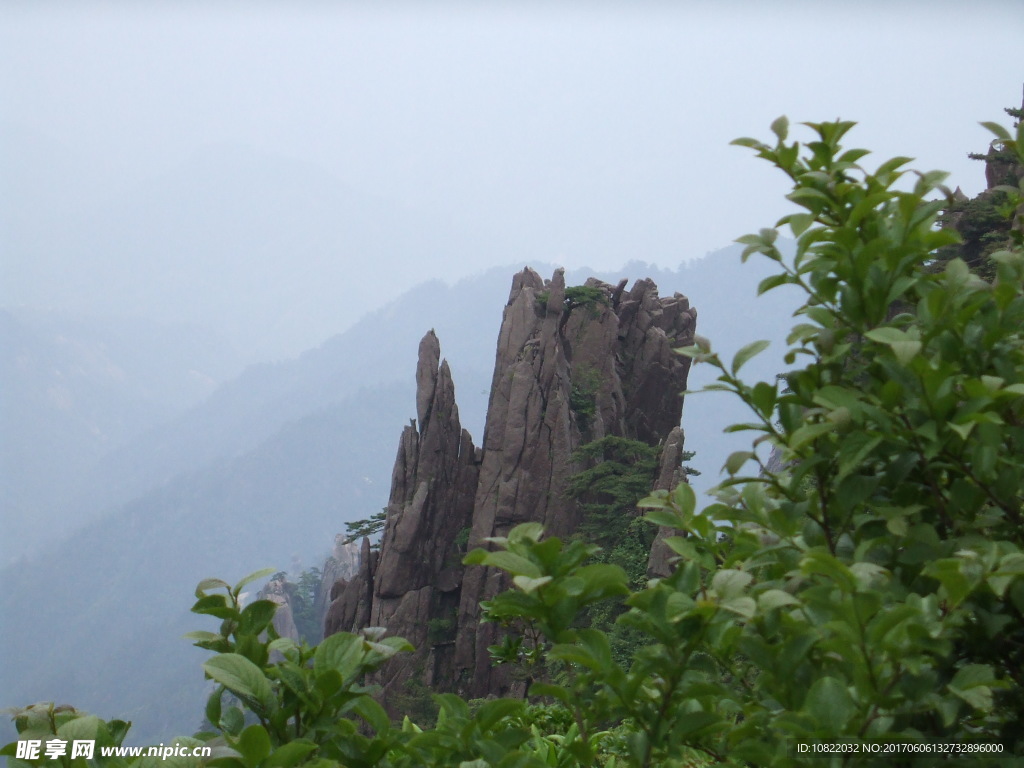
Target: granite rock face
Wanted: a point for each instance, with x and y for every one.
(342, 565)
(350, 599)
(573, 365)
(276, 590)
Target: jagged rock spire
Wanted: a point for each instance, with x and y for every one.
(572, 365)
(566, 373)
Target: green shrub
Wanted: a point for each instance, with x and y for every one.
(584, 296)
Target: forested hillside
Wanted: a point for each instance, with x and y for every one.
(75, 390)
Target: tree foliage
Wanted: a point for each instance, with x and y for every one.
(619, 473)
(584, 296)
(370, 527)
(870, 595)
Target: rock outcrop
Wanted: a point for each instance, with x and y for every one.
(276, 590)
(342, 566)
(573, 365)
(412, 587)
(350, 600)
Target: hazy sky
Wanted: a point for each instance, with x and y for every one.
(580, 133)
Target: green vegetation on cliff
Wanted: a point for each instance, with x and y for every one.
(984, 222)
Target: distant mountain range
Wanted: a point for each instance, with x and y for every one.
(267, 468)
(74, 389)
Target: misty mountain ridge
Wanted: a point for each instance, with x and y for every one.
(274, 462)
(76, 388)
(249, 408)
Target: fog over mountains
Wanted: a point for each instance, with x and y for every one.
(266, 469)
(224, 229)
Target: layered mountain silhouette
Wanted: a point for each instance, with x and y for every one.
(266, 470)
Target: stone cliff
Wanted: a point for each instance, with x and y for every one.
(276, 590)
(573, 365)
(342, 565)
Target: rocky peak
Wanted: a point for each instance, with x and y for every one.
(573, 364)
(417, 574)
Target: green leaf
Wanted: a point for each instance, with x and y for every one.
(886, 335)
(208, 584)
(800, 223)
(809, 432)
(202, 637)
(775, 598)
(526, 532)
(256, 617)
(972, 683)
(826, 564)
(373, 713)
(1011, 568)
(282, 645)
(232, 720)
(905, 351)
(812, 199)
(517, 565)
(684, 547)
(242, 678)
(997, 129)
(666, 518)
(291, 754)
(763, 396)
(950, 572)
(602, 580)
(692, 723)
(746, 352)
(743, 606)
(829, 703)
(853, 450)
(491, 713)
(215, 605)
(891, 165)
(253, 744)
(342, 652)
(261, 574)
(528, 585)
(964, 430)
(771, 282)
(780, 127)
(832, 396)
(85, 727)
(730, 583)
(736, 460)
(213, 704)
(684, 498)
